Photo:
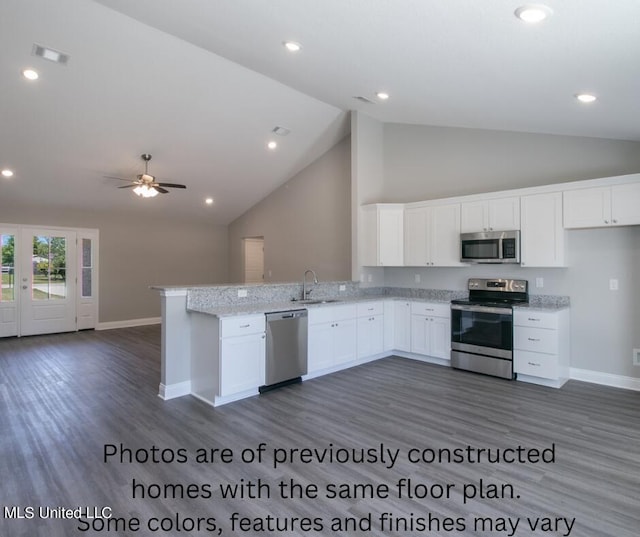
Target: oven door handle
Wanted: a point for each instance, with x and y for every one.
(482, 309)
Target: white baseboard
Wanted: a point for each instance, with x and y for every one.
(129, 323)
(607, 379)
(174, 390)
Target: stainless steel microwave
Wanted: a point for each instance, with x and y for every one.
(490, 247)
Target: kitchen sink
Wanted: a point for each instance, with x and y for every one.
(311, 302)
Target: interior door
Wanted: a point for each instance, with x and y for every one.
(47, 281)
(253, 260)
(8, 282)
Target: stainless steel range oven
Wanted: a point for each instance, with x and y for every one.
(482, 327)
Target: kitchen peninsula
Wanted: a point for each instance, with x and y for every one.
(348, 325)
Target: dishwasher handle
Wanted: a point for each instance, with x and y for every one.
(281, 315)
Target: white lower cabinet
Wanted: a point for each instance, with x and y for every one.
(241, 363)
(402, 325)
(370, 328)
(431, 329)
(228, 357)
(541, 350)
(332, 336)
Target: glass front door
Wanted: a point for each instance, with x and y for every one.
(47, 286)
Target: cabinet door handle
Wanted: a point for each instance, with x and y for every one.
(533, 319)
(606, 221)
(534, 364)
(533, 339)
(615, 221)
(245, 325)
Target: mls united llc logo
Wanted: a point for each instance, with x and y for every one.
(45, 512)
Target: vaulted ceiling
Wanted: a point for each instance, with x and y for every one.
(201, 84)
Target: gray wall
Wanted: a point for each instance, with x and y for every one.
(433, 162)
(138, 251)
(305, 223)
(423, 162)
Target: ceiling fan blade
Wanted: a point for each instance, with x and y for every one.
(129, 186)
(171, 185)
(160, 189)
(118, 178)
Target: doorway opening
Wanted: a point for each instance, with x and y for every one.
(253, 257)
(49, 280)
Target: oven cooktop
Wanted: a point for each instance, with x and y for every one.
(497, 292)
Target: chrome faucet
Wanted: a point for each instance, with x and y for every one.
(304, 283)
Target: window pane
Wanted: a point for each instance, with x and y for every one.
(86, 253)
(7, 263)
(86, 282)
(87, 267)
(49, 268)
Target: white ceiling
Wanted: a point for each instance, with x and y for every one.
(200, 84)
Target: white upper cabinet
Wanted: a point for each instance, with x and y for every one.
(383, 232)
(432, 236)
(617, 205)
(499, 214)
(542, 236)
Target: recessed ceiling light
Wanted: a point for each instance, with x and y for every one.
(272, 144)
(30, 74)
(292, 46)
(7, 173)
(586, 97)
(382, 95)
(533, 13)
(209, 201)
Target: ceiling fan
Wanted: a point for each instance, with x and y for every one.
(145, 185)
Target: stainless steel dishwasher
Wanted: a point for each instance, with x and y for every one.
(286, 348)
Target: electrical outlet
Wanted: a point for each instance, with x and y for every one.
(242, 293)
(342, 287)
(613, 284)
(539, 283)
(636, 356)
(370, 278)
(417, 278)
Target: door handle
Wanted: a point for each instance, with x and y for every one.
(24, 287)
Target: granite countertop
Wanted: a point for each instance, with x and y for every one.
(251, 308)
(545, 303)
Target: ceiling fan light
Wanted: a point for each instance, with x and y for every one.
(145, 191)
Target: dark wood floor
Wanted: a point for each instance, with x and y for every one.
(63, 397)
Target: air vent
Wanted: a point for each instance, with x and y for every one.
(281, 131)
(363, 99)
(50, 54)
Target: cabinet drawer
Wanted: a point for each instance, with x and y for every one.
(536, 364)
(535, 340)
(344, 311)
(325, 314)
(431, 309)
(370, 308)
(241, 325)
(535, 318)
